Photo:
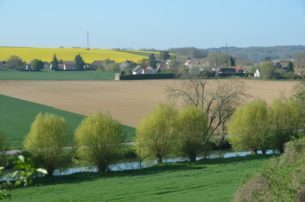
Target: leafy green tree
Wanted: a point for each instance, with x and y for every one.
(15, 62)
(249, 127)
(79, 62)
(156, 137)
(164, 55)
(46, 141)
(192, 128)
(55, 63)
(99, 140)
(267, 70)
(231, 61)
(37, 64)
(286, 120)
(152, 61)
(290, 66)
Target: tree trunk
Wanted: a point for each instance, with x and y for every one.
(159, 158)
(50, 171)
(192, 157)
(254, 151)
(281, 149)
(264, 151)
(102, 168)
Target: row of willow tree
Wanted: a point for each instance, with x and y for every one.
(99, 139)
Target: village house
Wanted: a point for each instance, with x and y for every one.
(150, 70)
(257, 74)
(65, 66)
(138, 70)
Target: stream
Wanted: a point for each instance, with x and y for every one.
(135, 165)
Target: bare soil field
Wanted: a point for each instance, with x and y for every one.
(127, 101)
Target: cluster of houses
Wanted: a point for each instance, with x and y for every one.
(129, 67)
(132, 68)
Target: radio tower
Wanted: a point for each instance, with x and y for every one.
(88, 42)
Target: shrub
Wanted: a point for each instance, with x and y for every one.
(46, 141)
(99, 140)
(192, 128)
(155, 134)
(284, 177)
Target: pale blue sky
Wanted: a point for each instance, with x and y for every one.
(152, 23)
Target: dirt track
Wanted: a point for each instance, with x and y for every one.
(127, 101)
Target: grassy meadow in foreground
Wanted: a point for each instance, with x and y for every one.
(53, 75)
(17, 116)
(207, 180)
(46, 54)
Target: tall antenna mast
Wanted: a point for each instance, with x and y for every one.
(88, 42)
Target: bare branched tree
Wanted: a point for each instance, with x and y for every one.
(217, 98)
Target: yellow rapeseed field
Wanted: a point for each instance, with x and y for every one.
(67, 54)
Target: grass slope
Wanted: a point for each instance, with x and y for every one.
(46, 54)
(52, 75)
(209, 180)
(17, 116)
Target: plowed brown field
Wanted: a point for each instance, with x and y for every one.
(127, 101)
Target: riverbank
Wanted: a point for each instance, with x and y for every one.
(208, 180)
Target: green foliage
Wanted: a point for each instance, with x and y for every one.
(284, 176)
(79, 62)
(192, 130)
(15, 62)
(249, 127)
(46, 141)
(155, 135)
(99, 140)
(152, 61)
(286, 120)
(300, 93)
(37, 64)
(21, 175)
(55, 63)
(267, 70)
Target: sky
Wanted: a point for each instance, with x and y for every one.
(159, 24)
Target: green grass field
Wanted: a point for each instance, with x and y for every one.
(208, 180)
(67, 54)
(53, 75)
(17, 116)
